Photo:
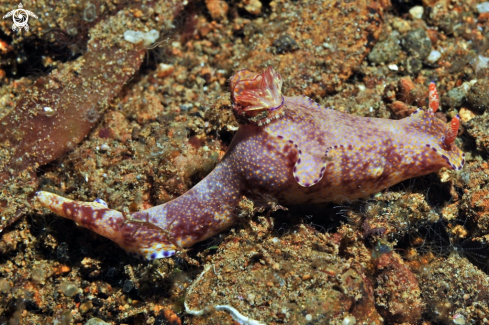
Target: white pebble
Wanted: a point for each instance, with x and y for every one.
(434, 56)
(416, 12)
(104, 147)
(349, 320)
(459, 319)
(483, 7)
(48, 111)
(309, 317)
(393, 67)
(136, 37)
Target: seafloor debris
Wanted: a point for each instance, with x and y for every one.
(397, 291)
(60, 109)
(304, 277)
(348, 30)
(453, 288)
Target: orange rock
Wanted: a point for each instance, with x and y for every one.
(62, 269)
(400, 109)
(217, 8)
(171, 317)
(397, 293)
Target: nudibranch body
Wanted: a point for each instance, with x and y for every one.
(289, 148)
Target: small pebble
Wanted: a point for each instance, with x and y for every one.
(483, 7)
(48, 111)
(4, 286)
(69, 289)
(164, 70)
(386, 51)
(128, 286)
(434, 56)
(285, 43)
(459, 319)
(104, 147)
(96, 321)
(466, 114)
(349, 320)
(253, 7)
(136, 37)
(417, 43)
(85, 307)
(416, 12)
(478, 95)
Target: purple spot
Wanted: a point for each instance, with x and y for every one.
(336, 147)
(298, 161)
(307, 185)
(290, 141)
(300, 152)
(428, 145)
(297, 179)
(434, 149)
(280, 137)
(323, 169)
(167, 253)
(295, 169)
(153, 256)
(100, 201)
(315, 181)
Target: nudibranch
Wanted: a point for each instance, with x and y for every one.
(289, 148)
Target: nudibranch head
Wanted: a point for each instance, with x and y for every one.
(257, 97)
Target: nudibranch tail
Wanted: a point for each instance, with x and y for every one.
(124, 229)
(160, 231)
(257, 97)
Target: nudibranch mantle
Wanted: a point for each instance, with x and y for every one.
(289, 148)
